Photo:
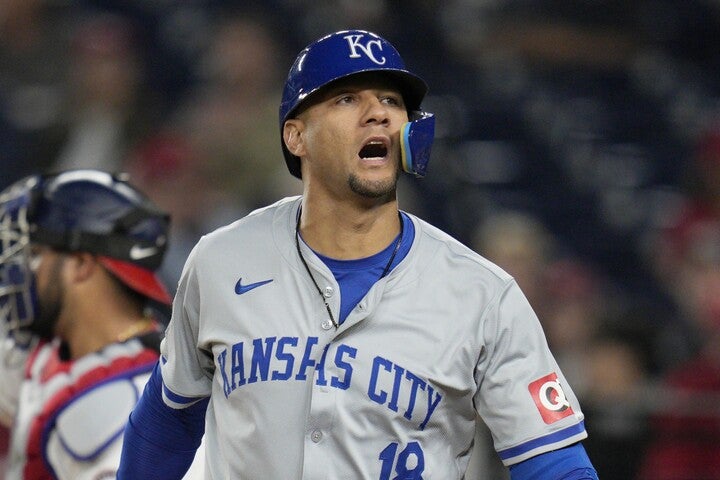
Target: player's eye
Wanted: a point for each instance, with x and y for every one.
(394, 100)
(345, 98)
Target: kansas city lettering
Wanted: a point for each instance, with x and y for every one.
(402, 380)
(292, 359)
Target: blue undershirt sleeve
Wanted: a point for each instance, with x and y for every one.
(569, 463)
(160, 441)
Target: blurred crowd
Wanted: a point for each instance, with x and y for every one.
(578, 146)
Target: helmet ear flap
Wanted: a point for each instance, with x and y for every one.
(416, 138)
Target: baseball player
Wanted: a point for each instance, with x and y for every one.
(78, 251)
(334, 336)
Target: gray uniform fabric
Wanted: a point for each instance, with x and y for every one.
(393, 391)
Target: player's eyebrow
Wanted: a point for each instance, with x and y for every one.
(364, 81)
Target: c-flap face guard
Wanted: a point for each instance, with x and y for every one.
(416, 138)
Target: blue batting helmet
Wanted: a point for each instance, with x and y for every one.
(79, 210)
(337, 56)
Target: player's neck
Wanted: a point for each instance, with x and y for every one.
(92, 336)
(85, 328)
(348, 231)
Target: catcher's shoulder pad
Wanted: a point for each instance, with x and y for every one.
(96, 418)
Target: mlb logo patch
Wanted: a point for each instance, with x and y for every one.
(550, 398)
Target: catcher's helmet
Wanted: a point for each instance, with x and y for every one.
(78, 210)
(339, 55)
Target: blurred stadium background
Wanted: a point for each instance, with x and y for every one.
(578, 146)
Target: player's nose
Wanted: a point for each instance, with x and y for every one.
(375, 111)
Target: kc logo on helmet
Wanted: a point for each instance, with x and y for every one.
(367, 48)
(550, 398)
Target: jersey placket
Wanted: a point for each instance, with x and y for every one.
(319, 430)
(320, 420)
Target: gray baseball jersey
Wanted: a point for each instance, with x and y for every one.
(392, 393)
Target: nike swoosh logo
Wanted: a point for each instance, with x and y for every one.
(240, 288)
(137, 252)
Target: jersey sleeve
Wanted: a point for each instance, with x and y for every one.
(186, 371)
(161, 442)
(523, 396)
(568, 463)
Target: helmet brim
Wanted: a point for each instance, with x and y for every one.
(142, 280)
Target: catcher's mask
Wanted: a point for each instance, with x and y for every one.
(77, 210)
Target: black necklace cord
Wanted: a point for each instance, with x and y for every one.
(307, 269)
(317, 287)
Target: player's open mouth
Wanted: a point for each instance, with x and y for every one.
(374, 150)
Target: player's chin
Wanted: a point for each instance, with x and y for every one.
(374, 186)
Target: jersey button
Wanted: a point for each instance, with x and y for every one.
(326, 325)
(316, 436)
(329, 291)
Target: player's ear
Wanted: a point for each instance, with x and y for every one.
(83, 265)
(292, 136)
